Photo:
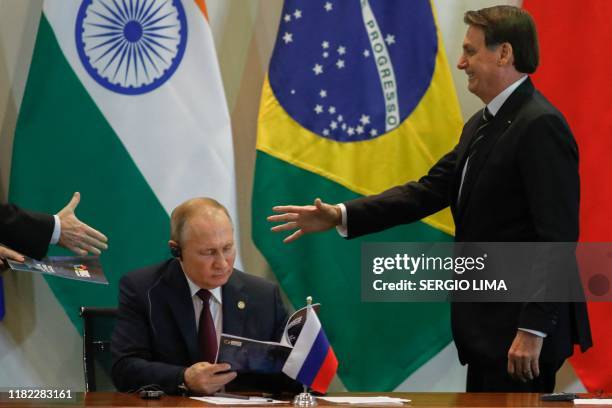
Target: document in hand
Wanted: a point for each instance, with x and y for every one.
(266, 357)
(82, 268)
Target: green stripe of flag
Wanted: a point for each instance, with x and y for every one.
(64, 144)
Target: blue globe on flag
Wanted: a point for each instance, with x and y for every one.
(351, 71)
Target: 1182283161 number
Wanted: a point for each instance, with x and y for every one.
(40, 394)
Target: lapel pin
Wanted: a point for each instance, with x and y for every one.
(241, 304)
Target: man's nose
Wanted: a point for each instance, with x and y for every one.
(462, 62)
(221, 261)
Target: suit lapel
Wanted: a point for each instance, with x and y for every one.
(181, 305)
(462, 152)
(235, 305)
(478, 160)
(500, 123)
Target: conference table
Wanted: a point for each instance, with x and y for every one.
(418, 399)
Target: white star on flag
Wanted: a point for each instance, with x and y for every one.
(318, 109)
(366, 53)
(341, 50)
(373, 132)
(359, 129)
(328, 6)
(333, 125)
(343, 126)
(318, 69)
(297, 13)
(340, 64)
(287, 38)
(340, 118)
(350, 131)
(287, 18)
(325, 54)
(323, 93)
(390, 39)
(325, 44)
(365, 119)
(332, 110)
(325, 132)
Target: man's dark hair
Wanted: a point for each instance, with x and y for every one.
(512, 25)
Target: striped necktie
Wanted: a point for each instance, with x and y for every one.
(484, 122)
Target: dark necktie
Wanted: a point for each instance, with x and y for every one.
(484, 122)
(206, 333)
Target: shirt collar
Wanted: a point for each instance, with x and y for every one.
(193, 289)
(496, 103)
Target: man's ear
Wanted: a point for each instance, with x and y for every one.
(175, 248)
(506, 54)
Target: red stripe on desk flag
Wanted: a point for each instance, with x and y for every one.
(326, 372)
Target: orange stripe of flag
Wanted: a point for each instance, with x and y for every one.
(202, 5)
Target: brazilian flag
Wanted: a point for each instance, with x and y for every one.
(358, 98)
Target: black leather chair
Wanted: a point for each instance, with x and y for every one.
(98, 326)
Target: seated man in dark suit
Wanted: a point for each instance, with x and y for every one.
(172, 314)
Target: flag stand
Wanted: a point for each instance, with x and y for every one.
(305, 399)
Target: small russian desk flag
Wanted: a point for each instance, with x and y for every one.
(312, 360)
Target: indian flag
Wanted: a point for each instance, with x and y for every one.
(358, 98)
(124, 103)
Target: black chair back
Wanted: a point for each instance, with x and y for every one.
(98, 326)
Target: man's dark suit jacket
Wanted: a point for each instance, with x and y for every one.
(155, 337)
(522, 186)
(26, 232)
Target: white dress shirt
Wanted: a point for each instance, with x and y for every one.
(57, 230)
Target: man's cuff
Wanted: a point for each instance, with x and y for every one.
(536, 332)
(342, 230)
(57, 231)
(182, 387)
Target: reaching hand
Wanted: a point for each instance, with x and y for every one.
(206, 378)
(8, 253)
(77, 236)
(523, 356)
(305, 218)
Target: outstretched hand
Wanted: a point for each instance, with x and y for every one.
(77, 236)
(305, 218)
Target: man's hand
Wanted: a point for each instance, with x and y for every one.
(206, 378)
(76, 236)
(523, 356)
(8, 253)
(305, 218)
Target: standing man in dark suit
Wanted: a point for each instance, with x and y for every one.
(31, 233)
(512, 177)
(172, 314)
